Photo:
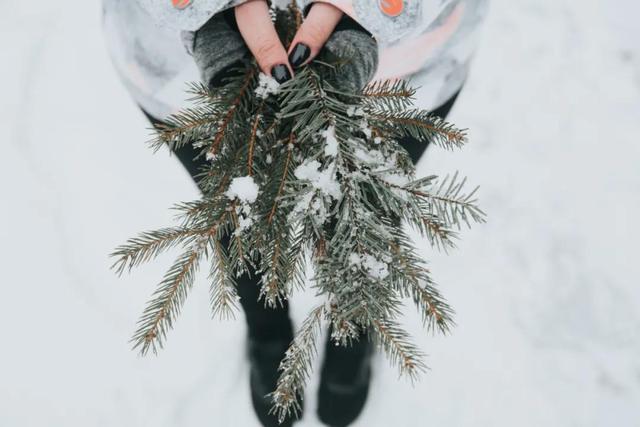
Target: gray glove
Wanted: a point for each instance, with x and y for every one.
(360, 51)
(218, 48)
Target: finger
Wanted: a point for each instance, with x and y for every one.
(258, 32)
(313, 33)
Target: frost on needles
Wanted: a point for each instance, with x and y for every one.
(300, 173)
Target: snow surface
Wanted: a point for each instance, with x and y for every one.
(546, 294)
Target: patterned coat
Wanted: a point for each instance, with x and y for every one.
(429, 41)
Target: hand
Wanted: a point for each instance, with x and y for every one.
(254, 23)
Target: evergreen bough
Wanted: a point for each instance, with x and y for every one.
(333, 187)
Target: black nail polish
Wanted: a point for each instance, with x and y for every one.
(281, 73)
(299, 54)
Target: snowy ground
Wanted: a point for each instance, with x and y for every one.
(548, 313)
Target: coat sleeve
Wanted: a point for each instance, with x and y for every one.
(389, 20)
(186, 15)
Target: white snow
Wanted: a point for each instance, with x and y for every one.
(364, 127)
(395, 178)
(355, 259)
(353, 111)
(384, 166)
(375, 268)
(331, 142)
(244, 222)
(323, 180)
(267, 85)
(244, 188)
(547, 306)
(374, 157)
(303, 204)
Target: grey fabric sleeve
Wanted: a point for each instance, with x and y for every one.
(360, 51)
(216, 47)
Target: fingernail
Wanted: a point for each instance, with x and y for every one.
(299, 54)
(281, 73)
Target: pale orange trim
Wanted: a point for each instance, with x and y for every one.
(180, 4)
(391, 7)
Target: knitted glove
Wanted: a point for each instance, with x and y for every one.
(360, 52)
(219, 48)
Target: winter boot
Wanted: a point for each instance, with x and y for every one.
(344, 383)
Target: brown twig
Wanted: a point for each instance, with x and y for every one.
(282, 181)
(232, 110)
(252, 139)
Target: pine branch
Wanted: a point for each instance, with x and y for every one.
(201, 94)
(186, 126)
(448, 201)
(272, 289)
(232, 111)
(419, 124)
(162, 310)
(223, 295)
(438, 232)
(149, 245)
(395, 342)
(285, 173)
(390, 94)
(296, 366)
(436, 313)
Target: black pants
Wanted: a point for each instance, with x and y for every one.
(265, 323)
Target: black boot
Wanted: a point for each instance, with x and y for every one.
(264, 359)
(270, 333)
(344, 382)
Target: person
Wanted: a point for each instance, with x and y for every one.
(159, 45)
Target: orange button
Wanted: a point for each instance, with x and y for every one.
(180, 4)
(391, 7)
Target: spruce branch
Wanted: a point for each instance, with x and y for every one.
(389, 94)
(448, 200)
(419, 124)
(186, 126)
(297, 365)
(166, 303)
(223, 294)
(398, 348)
(149, 245)
(235, 105)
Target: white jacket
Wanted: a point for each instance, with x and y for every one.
(429, 41)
